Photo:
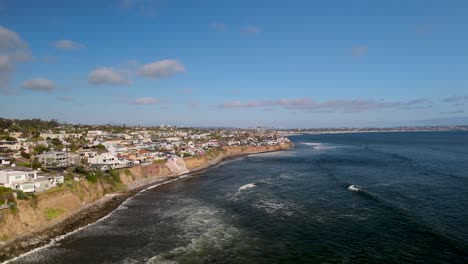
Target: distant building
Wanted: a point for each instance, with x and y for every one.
(58, 159)
(108, 160)
(4, 161)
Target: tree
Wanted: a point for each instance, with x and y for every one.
(57, 143)
(39, 149)
(100, 147)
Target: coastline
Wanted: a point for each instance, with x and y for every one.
(104, 206)
(297, 133)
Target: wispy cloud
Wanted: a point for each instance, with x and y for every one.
(39, 85)
(146, 101)
(13, 50)
(220, 27)
(66, 44)
(456, 100)
(251, 30)
(161, 69)
(453, 112)
(65, 98)
(359, 51)
(308, 105)
(107, 75)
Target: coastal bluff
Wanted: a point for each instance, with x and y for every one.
(34, 223)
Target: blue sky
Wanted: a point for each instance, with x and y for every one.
(235, 63)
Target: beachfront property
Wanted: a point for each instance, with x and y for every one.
(58, 159)
(18, 180)
(106, 161)
(28, 180)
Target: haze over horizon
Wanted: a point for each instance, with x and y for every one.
(235, 64)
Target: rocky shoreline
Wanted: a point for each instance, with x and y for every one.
(102, 207)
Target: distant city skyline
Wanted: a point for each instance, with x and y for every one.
(279, 64)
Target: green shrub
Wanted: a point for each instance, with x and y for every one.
(128, 172)
(80, 170)
(13, 208)
(68, 177)
(25, 155)
(159, 161)
(91, 177)
(20, 195)
(115, 175)
(33, 200)
(52, 213)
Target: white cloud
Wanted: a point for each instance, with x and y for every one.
(146, 101)
(359, 51)
(106, 75)
(161, 69)
(13, 50)
(5, 63)
(66, 44)
(12, 45)
(251, 30)
(39, 84)
(308, 105)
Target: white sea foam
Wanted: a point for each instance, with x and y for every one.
(312, 144)
(247, 186)
(55, 240)
(201, 227)
(274, 206)
(353, 188)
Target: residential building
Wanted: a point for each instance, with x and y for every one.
(58, 158)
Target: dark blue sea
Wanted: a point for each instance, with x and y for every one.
(408, 203)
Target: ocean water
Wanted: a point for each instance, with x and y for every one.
(342, 198)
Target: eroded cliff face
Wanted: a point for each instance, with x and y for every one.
(59, 204)
(50, 208)
(141, 175)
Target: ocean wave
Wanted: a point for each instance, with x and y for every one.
(247, 186)
(353, 188)
(274, 206)
(203, 230)
(319, 146)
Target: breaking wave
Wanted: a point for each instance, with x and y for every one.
(247, 186)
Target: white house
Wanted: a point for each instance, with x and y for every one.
(109, 160)
(19, 180)
(95, 133)
(4, 161)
